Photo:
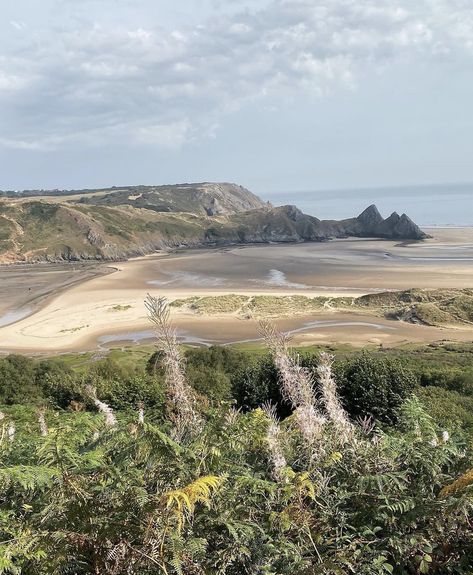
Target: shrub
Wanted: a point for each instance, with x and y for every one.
(129, 392)
(208, 370)
(375, 387)
(448, 408)
(258, 383)
(17, 381)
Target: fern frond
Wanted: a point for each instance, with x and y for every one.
(460, 484)
(183, 501)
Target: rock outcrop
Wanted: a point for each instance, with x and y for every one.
(370, 218)
(370, 224)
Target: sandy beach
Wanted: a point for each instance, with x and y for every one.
(87, 312)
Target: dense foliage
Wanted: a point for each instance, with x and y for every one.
(375, 387)
(370, 384)
(116, 470)
(129, 499)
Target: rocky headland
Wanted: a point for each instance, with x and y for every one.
(118, 223)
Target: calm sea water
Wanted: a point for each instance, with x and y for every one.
(445, 205)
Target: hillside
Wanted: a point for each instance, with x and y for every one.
(202, 198)
(205, 199)
(121, 223)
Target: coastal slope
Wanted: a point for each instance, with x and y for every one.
(116, 224)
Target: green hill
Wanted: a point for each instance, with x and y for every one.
(119, 223)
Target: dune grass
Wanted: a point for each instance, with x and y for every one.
(452, 307)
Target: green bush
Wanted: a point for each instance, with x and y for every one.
(453, 379)
(17, 381)
(449, 409)
(128, 392)
(375, 387)
(258, 383)
(209, 370)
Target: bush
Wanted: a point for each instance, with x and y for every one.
(208, 370)
(109, 368)
(459, 380)
(258, 383)
(448, 408)
(128, 393)
(375, 387)
(17, 381)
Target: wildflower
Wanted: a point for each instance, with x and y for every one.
(434, 442)
(231, 417)
(181, 401)
(11, 431)
(297, 384)
(141, 413)
(445, 436)
(43, 428)
(110, 419)
(309, 422)
(277, 459)
(335, 411)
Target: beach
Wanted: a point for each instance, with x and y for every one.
(105, 305)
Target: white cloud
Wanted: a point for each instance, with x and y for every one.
(170, 136)
(86, 82)
(10, 82)
(18, 25)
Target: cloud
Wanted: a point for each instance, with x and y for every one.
(85, 83)
(170, 136)
(18, 25)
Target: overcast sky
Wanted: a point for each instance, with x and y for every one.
(272, 94)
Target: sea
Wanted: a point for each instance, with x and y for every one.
(429, 205)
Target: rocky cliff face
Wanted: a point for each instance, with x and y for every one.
(371, 219)
(121, 224)
(290, 223)
(370, 224)
(394, 227)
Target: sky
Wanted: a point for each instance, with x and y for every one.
(275, 95)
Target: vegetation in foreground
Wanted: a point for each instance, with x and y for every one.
(111, 470)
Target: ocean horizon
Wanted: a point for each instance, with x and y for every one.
(428, 205)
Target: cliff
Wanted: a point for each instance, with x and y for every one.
(114, 225)
(370, 223)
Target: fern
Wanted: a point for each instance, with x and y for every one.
(182, 502)
(462, 483)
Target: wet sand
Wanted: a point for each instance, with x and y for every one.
(112, 305)
(25, 287)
